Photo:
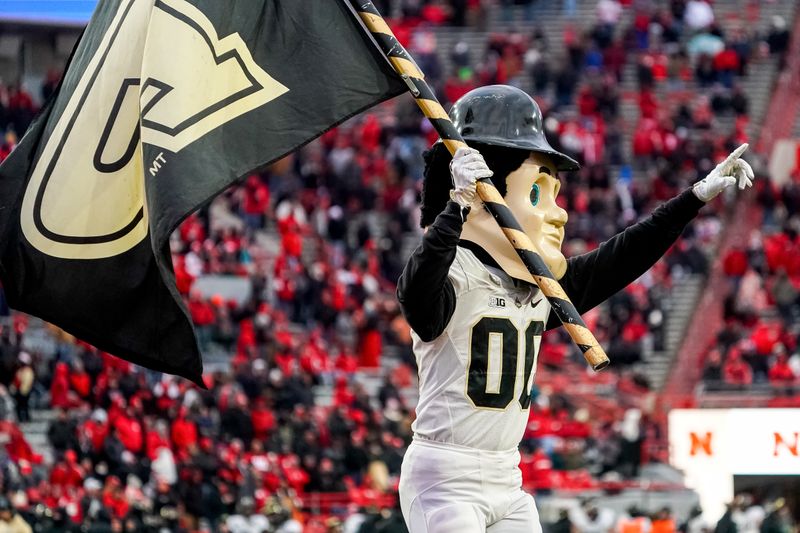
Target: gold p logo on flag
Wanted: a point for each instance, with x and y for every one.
(159, 75)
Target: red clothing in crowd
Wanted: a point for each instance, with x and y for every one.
(20, 99)
(286, 362)
(59, 388)
(183, 280)
(765, 336)
(68, 473)
(247, 336)
(781, 372)
(552, 353)
(192, 230)
(781, 251)
(154, 441)
(727, 59)
(256, 196)
(341, 392)
(314, 359)
(371, 133)
(648, 104)
(736, 371)
(115, 501)
(5, 151)
(202, 312)
(537, 471)
(96, 432)
(129, 431)
(81, 383)
(371, 347)
(587, 103)
(338, 295)
(541, 424)
(292, 241)
(634, 330)
(735, 262)
(645, 140)
(660, 66)
(346, 363)
(263, 421)
(434, 14)
(184, 433)
(796, 161)
(455, 88)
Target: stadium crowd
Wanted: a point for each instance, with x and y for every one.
(318, 237)
(758, 346)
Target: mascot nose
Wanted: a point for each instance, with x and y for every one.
(558, 218)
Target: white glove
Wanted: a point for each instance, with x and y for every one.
(732, 170)
(467, 167)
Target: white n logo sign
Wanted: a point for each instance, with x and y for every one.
(160, 75)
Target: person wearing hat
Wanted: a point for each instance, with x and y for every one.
(10, 520)
(477, 316)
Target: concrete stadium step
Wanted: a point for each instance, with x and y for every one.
(371, 379)
(682, 301)
(547, 17)
(268, 240)
(35, 431)
(35, 427)
(542, 11)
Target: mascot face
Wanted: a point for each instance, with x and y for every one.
(531, 195)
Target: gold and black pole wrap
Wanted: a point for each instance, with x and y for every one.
(559, 301)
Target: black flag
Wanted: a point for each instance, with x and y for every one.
(165, 103)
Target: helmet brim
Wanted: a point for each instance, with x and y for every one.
(563, 162)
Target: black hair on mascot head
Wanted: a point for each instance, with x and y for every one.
(437, 183)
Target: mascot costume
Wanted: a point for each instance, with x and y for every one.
(477, 316)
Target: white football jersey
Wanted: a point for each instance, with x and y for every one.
(475, 378)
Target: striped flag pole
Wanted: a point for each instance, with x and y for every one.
(494, 202)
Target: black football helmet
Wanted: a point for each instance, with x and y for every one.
(501, 115)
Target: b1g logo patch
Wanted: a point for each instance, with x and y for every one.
(497, 302)
(160, 75)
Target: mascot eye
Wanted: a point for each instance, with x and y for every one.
(535, 194)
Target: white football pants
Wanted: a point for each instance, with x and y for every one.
(446, 488)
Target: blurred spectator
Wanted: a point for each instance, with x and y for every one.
(736, 372)
(634, 520)
(22, 386)
(698, 14)
(779, 520)
(246, 520)
(726, 524)
(563, 524)
(695, 523)
(663, 521)
(588, 518)
(778, 38)
(10, 520)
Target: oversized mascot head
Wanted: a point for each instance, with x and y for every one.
(505, 125)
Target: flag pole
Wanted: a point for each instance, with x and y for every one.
(405, 66)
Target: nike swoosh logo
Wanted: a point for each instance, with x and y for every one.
(534, 304)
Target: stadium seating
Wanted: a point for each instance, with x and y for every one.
(290, 276)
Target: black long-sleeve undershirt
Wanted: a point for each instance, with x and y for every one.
(428, 299)
(425, 293)
(593, 277)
